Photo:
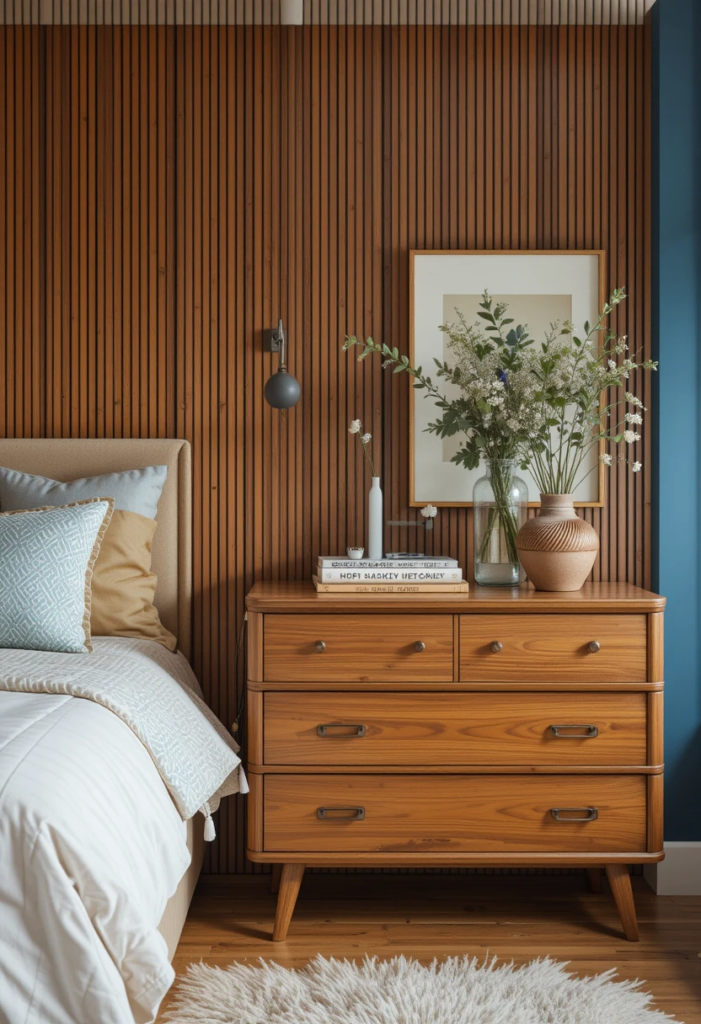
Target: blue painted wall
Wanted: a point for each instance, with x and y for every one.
(676, 34)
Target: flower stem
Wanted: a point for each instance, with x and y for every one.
(503, 517)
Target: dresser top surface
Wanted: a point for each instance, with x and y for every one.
(300, 596)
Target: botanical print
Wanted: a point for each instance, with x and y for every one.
(539, 289)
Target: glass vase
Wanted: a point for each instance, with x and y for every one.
(500, 508)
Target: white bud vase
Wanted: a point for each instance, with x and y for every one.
(375, 520)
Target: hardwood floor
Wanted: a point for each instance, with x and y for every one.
(450, 915)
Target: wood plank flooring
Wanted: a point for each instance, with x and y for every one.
(519, 917)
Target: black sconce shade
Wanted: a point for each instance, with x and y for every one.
(282, 389)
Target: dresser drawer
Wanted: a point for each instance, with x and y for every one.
(358, 648)
(454, 813)
(455, 729)
(553, 648)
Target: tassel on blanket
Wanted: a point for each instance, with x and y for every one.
(210, 833)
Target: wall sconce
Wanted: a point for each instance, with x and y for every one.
(291, 12)
(282, 389)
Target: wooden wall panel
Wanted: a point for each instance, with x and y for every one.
(169, 191)
(22, 239)
(109, 230)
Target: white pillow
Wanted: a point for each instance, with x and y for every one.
(46, 562)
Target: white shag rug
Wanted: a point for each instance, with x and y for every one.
(400, 991)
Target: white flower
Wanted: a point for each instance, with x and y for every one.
(365, 438)
(606, 459)
(633, 417)
(634, 401)
(355, 427)
(629, 436)
(637, 466)
(612, 365)
(429, 512)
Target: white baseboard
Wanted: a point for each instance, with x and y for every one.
(679, 874)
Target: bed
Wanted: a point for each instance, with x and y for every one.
(127, 766)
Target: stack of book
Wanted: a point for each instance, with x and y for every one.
(391, 575)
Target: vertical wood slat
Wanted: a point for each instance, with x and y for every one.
(199, 182)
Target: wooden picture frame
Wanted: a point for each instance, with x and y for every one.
(590, 265)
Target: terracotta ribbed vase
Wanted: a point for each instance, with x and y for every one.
(557, 548)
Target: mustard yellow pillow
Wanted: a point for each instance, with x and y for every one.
(123, 586)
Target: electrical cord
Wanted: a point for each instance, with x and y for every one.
(236, 727)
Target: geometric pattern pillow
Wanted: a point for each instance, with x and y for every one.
(46, 562)
(124, 587)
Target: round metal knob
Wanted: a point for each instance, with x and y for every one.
(419, 646)
(496, 646)
(319, 646)
(594, 646)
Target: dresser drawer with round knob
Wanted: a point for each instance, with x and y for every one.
(553, 648)
(358, 648)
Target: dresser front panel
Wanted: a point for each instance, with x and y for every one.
(358, 648)
(553, 648)
(578, 729)
(454, 814)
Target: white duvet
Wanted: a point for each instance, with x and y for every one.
(92, 831)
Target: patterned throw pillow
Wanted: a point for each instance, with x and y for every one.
(46, 563)
(123, 586)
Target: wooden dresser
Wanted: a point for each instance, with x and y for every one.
(500, 727)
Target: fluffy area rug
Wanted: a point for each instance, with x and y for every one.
(401, 991)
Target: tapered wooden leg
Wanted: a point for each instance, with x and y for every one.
(595, 878)
(275, 879)
(619, 880)
(290, 881)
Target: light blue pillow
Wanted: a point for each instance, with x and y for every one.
(46, 562)
(136, 490)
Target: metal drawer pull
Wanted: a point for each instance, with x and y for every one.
(323, 730)
(594, 646)
(419, 646)
(590, 732)
(496, 646)
(319, 646)
(340, 813)
(564, 813)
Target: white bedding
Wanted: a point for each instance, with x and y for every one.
(92, 844)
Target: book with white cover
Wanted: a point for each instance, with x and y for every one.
(388, 575)
(331, 562)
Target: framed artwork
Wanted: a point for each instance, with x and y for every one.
(540, 286)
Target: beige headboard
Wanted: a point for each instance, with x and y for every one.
(172, 547)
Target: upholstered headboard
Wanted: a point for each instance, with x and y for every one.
(172, 547)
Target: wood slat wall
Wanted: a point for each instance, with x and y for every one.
(166, 192)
